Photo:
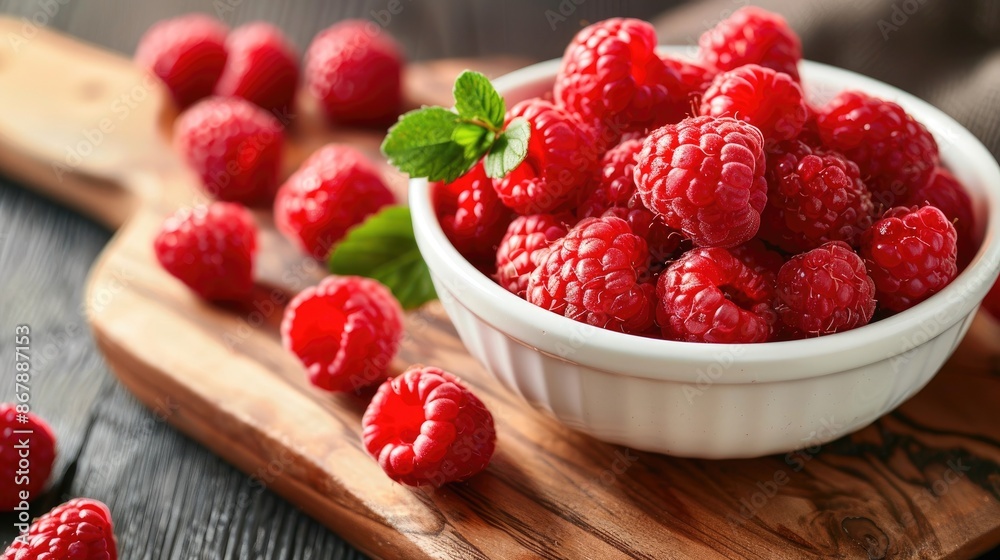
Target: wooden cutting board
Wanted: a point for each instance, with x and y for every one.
(85, 127)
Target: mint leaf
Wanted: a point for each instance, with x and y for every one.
(443, 144)
(420, 144)
(477, 100)
(474, 139)
(384, 248)
(509, 149)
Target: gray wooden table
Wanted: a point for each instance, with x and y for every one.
(172, 498)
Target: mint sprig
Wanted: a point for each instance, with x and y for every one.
(443, 144)
(383, 247)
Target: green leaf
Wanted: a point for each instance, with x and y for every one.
(384, 248)
(477, 99)
(421, 145)
(509, 149)
(474, 139)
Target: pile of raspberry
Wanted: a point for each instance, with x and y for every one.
(708, 200)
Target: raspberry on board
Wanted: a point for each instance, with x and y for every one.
(751, 36)
(210, 248)
(770, 100)
(355, 71)
(262, 68)
(704, 176)
(814, 196)
(345, 331)
(335, 189)
(80, 529)
(911, 254)
(234, 146)
(612, 75)
(597, 274)
(524, 246)
(187, 53)
(825, 290)
(710, 295)
(41, 448)
(425, 428)
(944, 192)
(612, 192)
(561, 158)
(471, 214)
(895, 153)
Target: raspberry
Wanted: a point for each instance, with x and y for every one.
(611, 74)
(895, 153)
(911, 255)
(471, 214)
(693, 81)
(355, 71)
(758, 257)
(596, 274)
(42, 450)
(188, 53)
(710, 295)
(524, 246)
(561, 158)
(80, 529)
(613, 193)
(261, 68)
(425, 428)
(705, 177)
(334, 190)
(210, 249)
(345, 331)
(825, 290)
(752, 36)
(944, 192)
(234, 146)
(772, 101)
(813, 196)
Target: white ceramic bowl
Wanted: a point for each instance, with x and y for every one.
(714, 400)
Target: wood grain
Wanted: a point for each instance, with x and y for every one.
(922, 482)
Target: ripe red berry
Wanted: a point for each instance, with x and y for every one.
(471, 214)
(911, 255)
(16, 428)
(752, 36)
(523, 247)
(705, 177)
(597, 274)
(944, 192)
(210, 249)
(895, 153)
(261, 68)
(813, 196)
(80, 529)
(561, 158)
(710, 295)
(693, 81)
(770, 100)
(333, 191)
(345, 331)
(612, 75)
(187, 53)
(425, 428)
(355, 71)
(825, 290)
(612, 192)
(235, 148)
